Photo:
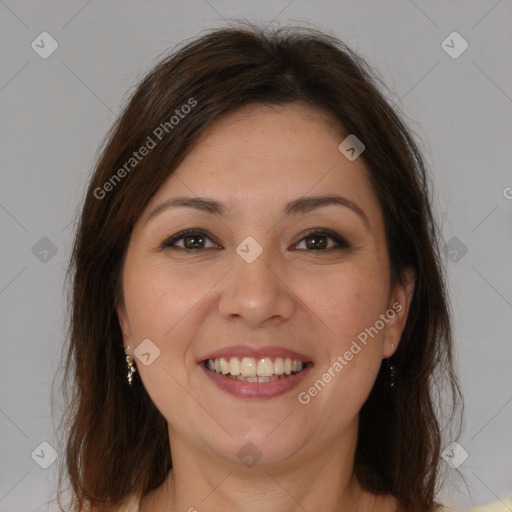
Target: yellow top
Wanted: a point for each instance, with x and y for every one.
(505, 505)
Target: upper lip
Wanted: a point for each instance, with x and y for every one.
(256, 353)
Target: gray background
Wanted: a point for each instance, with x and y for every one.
(56, 111)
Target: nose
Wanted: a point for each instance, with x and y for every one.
(257, 292)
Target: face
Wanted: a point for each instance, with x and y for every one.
(262, 281)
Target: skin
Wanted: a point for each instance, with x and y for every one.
(316, 302)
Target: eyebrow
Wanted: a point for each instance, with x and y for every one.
(298, 206)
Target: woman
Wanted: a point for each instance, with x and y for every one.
(259, 319)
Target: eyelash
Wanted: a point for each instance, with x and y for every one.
(338, 239)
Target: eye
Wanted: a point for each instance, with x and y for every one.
(193, 240)
(315, 239)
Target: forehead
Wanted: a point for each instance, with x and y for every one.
(269, 151)
(270, 136)
(261, 155)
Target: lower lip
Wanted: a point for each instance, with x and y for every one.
(244, 389)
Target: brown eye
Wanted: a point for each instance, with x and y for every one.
(192, 240)
(317, 240)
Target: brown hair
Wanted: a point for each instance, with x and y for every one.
(116, 439)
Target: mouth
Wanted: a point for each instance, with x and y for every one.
(250, 369)
(247, 373)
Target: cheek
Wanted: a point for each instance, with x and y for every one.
(350, 300)
(348, 308)
(167, 306)
(160, 305)
(157, 299)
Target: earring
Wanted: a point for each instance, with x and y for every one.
(391, 370)
(131, 367)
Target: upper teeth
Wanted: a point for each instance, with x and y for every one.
(250, 367)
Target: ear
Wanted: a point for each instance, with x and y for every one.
(123, 321)
(399, 303)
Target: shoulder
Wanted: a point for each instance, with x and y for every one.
(504, 505)
(495, 506)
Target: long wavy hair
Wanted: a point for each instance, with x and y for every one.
(116, 441)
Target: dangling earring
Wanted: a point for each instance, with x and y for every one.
(391, 370)
(131, 367)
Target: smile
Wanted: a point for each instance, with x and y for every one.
(250, 369)
(245, 372)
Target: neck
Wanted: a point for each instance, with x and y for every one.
(312, 482)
